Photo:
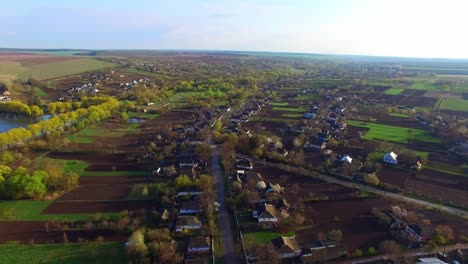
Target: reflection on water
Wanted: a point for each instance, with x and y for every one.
(8, 121)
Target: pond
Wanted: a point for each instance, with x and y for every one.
(8, 122)
(136, 120)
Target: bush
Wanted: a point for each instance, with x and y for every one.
(357, 254)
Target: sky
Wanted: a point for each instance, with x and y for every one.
(407, 28)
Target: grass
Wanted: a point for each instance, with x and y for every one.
(64, 68)
(90, 134)
(279, 104)
(454, 104)
(288, 109)
(75, 253)
(394, 133)
(423, 154)
(398, 115)
(424, 86)
(115, 173)
(394, 91)
(39, 91)
(304, 97)
(31, 211)
(265, 237)
(447, 168)
(293, 115)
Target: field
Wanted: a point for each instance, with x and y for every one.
(394, 91)
(454, 104)
(42, 67)
(394, 133)
(33, 211)
(265, 237)
(98, 253)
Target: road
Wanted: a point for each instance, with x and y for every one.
(224, 220)
(443, 208)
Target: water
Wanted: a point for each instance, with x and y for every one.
(8, 122)
(136, 120)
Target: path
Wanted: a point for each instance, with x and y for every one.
(224, 220)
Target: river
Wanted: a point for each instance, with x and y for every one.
(8, 122)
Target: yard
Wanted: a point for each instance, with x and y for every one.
(265, 237)
(288, 109)
(394, 133)
(102, 253)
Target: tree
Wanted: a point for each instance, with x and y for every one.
(446, 232)
(182, 181)
(372, 179)
(203, 151)
(390, 247)
(335, 235)
(6, 158)
(136, 247)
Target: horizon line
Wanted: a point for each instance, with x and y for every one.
(240, 51)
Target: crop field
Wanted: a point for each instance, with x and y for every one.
(93, 133)
(288, 109)
(265, 237)
(424, 86)
(454, 104)
(98, 253)
(32, 211)
(394, 133)
(43, 67)
(279, 104)
(394, 91)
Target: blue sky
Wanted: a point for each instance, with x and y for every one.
(418, 28)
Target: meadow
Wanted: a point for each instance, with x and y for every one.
(454, 104)
(91, 253)
(394, 133)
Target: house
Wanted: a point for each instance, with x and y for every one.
(322, 251)
(315, 144)
(187, 222)
(390, 158)
(324, 135)
(199, 244)
(309, 116)
(286, 247)
(346, 158)
(189, 191)
(462, 255)
(420, 233)
(432, 260)
(267, 213)
(244, 164)
(166, 169)
(190, 207)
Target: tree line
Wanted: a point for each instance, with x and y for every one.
(80, 118)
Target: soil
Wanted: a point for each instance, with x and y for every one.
(92, 207)
(98, 192)
(34, 231)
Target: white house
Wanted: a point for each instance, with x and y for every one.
(391, 158)
(187, 223)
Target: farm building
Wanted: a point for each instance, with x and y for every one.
(187, 223)
(390, 158)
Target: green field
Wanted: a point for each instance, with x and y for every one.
(394, 91)
(10, 71)
(398, 115)
(279, 104)
(394, 133)
(424, 86)
(39, 91)
(31, 211)
(75, 253)
(454, 104)
(288, 109)
(143, 115)
(265, 237)
(92, 133)
(115, 173)
(292, 115)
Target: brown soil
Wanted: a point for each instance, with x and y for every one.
(113, 180)
(97, 193)
(91, 207)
